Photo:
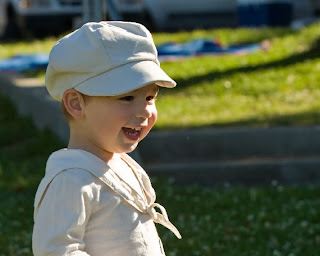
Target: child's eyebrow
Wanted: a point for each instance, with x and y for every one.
(155, 89)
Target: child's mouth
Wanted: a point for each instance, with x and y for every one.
(132, 133)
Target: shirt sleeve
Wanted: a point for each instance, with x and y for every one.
(62, 216)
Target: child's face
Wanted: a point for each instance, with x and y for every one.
(116, 124)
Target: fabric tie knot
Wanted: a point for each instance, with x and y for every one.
(162, 218)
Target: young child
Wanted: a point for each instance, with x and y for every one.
(94, 199)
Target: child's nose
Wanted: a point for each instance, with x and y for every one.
(145, 111)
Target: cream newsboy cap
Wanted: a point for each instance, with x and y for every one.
(105, 59)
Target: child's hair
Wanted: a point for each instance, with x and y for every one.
(65, 112)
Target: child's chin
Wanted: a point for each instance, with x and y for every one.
(131, 148)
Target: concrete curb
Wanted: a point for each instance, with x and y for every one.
(230, 144)
(261, 172)
(32, 99)
(289, 155)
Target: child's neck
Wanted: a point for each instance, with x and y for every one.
(102, 154)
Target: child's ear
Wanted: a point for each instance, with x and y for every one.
(74, 103)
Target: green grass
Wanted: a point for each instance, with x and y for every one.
(23, 154)
(280, 86)
(224, 221)
(243, 221)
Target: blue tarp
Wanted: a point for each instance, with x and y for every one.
(167, 52)
(24, 62)
(198, 47)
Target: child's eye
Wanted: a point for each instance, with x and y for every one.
(150, 98)
(127, 98)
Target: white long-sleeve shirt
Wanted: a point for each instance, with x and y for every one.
(85, 207)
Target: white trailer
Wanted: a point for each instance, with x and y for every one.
(20, 17)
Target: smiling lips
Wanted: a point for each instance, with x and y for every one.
(132, 133)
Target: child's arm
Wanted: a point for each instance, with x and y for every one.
(63, 214)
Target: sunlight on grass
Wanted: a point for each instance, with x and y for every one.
(26, 47)
(264, 88)
(277, 86)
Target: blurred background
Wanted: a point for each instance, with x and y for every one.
(48, 17)
(235, 153)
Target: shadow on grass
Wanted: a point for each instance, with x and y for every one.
(308, 118)
(312, 53)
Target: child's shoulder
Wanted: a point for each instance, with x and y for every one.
(67, 172)
(76, 176)
(70, 167)
(65, 159)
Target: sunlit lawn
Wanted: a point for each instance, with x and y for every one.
(224, 221)
(280, 86)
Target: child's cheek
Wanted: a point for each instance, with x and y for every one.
(154, 116)
(152, 119)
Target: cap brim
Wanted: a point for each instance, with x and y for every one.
(126, 78)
